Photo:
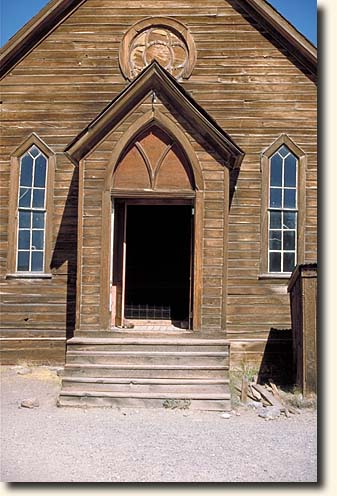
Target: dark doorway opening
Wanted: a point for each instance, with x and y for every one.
(158, 262)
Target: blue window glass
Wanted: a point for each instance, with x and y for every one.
(289, 240)
(23, 260)
(283, 151)
(25, 197)
(40, 172)
(24, 239)
(24, 219)
(276, 197)
(289, 220)
(290, 164)
(37, 241)
(26, 176)
(289, 200)
(38, 198)
(276, 171)
(275, 220)
(275, 262)
(34, 151)
(37, 261)
(38, 220)
(288, 262)
(275, 240)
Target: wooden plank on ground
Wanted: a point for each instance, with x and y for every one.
(244, 389)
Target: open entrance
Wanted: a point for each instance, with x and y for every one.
(156, 261)
(157, 271)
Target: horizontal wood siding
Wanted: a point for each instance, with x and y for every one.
(243, 79)
(44, 309)
(35, 351)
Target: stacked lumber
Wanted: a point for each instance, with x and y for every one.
(266, 395)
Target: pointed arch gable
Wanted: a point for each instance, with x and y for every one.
(152, 118)
(32, 139)
(166, 124)
(156, 81)
(283, 139)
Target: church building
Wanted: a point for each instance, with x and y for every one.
(158, 190)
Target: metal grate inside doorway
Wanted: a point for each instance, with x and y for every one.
(147, 312)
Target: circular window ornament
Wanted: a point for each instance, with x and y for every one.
(165, 40)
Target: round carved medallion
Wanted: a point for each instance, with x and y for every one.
(164, 40)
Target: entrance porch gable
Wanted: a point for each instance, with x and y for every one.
(153, 150)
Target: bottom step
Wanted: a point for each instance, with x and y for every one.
(219, 402)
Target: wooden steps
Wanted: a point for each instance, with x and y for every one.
(150, 372)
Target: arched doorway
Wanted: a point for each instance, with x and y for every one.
(153, 194)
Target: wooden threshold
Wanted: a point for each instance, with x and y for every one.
(153, 328)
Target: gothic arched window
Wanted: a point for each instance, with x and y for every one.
(30, 216)
(32, 211)
(283, 207)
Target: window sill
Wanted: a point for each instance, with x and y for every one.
(29, 275)
(275, 275)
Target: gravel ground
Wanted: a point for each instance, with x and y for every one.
(51, 444)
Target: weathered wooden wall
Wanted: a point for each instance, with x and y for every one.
(243, 79)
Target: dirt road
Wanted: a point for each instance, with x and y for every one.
(51, 444)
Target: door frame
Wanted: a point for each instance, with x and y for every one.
(195, 199)
(119, 252)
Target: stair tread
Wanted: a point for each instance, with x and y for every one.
(148, 353)
(126, 380)
(150, 340)
(146, 367)
(117, 394)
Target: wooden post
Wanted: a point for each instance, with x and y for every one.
(303, 299)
